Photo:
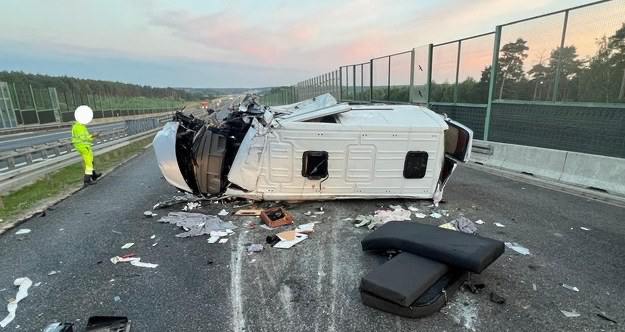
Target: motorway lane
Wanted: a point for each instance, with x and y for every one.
(313, 286)
(12, 142)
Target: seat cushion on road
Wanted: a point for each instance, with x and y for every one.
(430, 302)
(458, 250)
(403, 279)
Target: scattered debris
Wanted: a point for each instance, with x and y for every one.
(51, 273)
(585, 228)
(248, 212)
(413, 208)
(139, 263)
(59, 327)
(570, 314)
(603, 315)
(363, 220)
(117, 299)
(308, 213)
(191, 205)
(464, 225)
(37, 284)
(107, 323)
(449, 226)
(116, 232)
(222, 241)
(128, 245)
(435, 215)
(196, 224)
(479, 221)
(499, 225)
(275, 217)
(23, 231)
(534, 287)
(569, 287)
(318, 213)
(149, 214)
(23, 283)
(222, 213)
(494, 297)
(255, 247)
(153, 236)
(518, 248)
(396, 207)
(306, 228)
(267, 227)
(420, 215)
(124, 259)
(286, 244)
(154, 244)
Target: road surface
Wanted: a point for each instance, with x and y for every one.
(314, 286)
(22, 140)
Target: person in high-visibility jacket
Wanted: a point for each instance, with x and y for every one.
(83, 142)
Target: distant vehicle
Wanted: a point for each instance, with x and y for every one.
(316, 149)
(204, 105)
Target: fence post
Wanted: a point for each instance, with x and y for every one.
(371, 80)
(457, 72)
(429, 79)
(17, 102)
(411, 88)
(388, 86)
(556, 83)
(32, 95)
(340, 83)
(493, 80)
(354, 79)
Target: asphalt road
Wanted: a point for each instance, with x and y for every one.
(15, 141)
(314, 286)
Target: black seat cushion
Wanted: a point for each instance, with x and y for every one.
(456, 249)
(403, 279)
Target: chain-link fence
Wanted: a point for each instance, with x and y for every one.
(23, 104)
(556, 80)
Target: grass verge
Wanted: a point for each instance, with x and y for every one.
(62, 180)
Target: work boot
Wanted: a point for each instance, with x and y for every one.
(88, 179)
(95, 175)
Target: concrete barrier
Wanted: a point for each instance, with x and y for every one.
(579, 169)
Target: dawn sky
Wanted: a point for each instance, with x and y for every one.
(235, 43)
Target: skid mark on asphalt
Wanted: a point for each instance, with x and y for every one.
(238, 320)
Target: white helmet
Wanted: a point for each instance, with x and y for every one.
(83, 114)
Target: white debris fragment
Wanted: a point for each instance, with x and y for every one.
(139, 263)
(37, 284)
(584, 228)
(154, 244)
(117, 299)
(149, 214)
(22, 292)
(318, 213)
(22, 231)
(255, 247)
(51, 273)
(518, 248)
(395, 207)
(413, 208)
(569, 287)
(267, 227)
(479, 221)
(288, 244)
(222, 213)
(222, 241)
(420, 215)
(196, 224)
(191, 205)
(213, 239)
(153, 237)
(534, 287)
(499, 225)
(347, 219)
(570, 314)
(128, 245)
(307, 213)
(118, 259)
(306, 228)
(435, 215)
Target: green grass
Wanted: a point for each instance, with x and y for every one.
(67, 178)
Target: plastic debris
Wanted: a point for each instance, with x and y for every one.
(196, 223)
(23, 231)
(128, 245)
(37, 284)
(59, 327)
(479, 221)
(124, 259)
(51, 273)
(449, 226)
(363, 220)
(255, 247)
(584, 228)
(464, 225)
(222, 241)
(22, 292)
(154, 244)
(413, 208)
(499, 225)
(117, 299)
(518, 248)
(306, 228)
(149, 214)
(435, 215)
(496, 298)
(153, 237)
(288, 244)
(570, 314)
(139, 263)
(308, 213)
(222, 213)
(569, 287)
(420, 215)
(534, 287)
(191, 205)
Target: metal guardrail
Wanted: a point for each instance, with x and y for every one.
(22, 157)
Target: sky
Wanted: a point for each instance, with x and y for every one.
(186, 43)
